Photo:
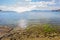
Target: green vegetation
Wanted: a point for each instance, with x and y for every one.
(48, 29)
(41, 28)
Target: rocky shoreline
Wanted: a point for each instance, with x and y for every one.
(31, 33)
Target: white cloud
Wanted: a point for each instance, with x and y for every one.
(17, 8)
(28, 0)
(28, 6)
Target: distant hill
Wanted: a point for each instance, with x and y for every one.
(58, 10)
(0, 10)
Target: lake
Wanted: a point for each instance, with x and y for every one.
(25, 18)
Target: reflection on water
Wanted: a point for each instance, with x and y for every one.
(22, 23)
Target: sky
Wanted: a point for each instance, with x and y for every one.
(28, 5)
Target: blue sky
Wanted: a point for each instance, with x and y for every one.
(40, 0)
(28, 5)
(7, 2)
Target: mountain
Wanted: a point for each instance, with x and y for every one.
(58, 10)
(0, 10)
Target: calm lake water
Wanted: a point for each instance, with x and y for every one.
(22, 19)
